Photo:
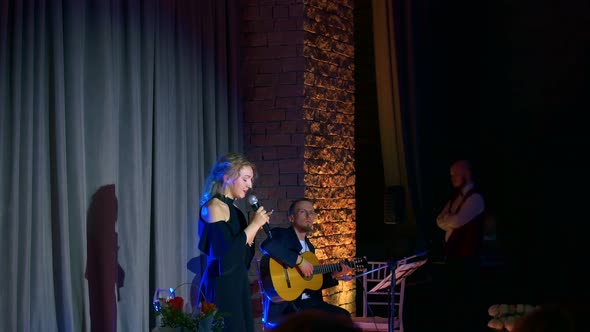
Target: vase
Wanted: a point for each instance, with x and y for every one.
(205, 324)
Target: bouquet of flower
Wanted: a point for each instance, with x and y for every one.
(505, 316)
(171, 313)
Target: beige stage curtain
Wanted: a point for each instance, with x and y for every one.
(389, 99)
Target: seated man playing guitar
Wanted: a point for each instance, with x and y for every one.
(289, 265)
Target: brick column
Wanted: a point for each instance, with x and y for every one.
(298, 78)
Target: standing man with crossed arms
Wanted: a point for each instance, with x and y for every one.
(462, 221)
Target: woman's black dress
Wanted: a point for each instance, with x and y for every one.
(225, 280)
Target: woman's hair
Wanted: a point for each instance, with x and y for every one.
(228, 164)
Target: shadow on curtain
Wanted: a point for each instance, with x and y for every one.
(103, 271)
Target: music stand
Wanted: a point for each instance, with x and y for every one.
(402, 270)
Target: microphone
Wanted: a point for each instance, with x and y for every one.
(253, 201)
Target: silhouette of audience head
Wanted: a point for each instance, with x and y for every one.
(556, 317)
(316, 321)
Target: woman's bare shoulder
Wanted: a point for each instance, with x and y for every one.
(215, 210)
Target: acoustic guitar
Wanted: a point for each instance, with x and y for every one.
(283, 283)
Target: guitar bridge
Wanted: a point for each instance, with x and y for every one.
(287, 279)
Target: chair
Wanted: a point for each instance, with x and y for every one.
(377, 291)
(264, 300)
(375, 320)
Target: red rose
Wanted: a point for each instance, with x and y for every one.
(207, 307)
(176, 303)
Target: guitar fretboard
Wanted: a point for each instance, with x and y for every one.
(321, 269)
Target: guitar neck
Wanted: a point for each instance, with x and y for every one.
(321, 269)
